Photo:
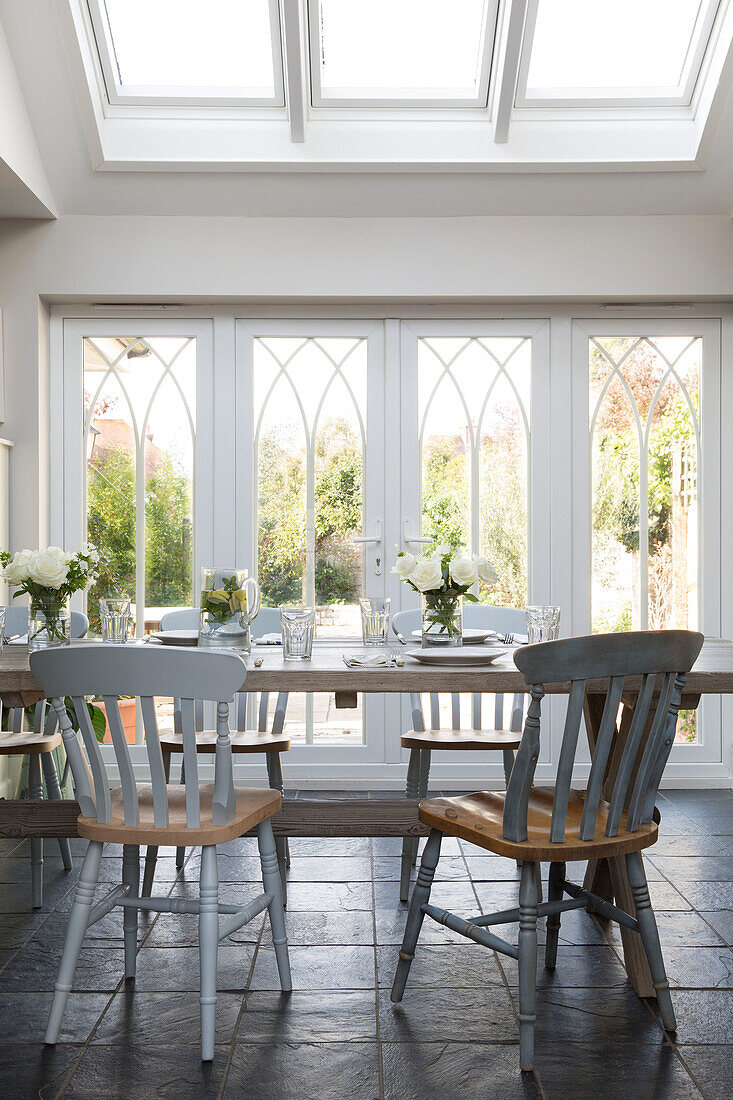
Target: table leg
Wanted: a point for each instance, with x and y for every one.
(608, 877)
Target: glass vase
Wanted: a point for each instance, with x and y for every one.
(442, 620)
(230, 600)
(49, 623)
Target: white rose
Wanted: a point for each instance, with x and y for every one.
(404, 565)
(47, 570)
(486, 571)
(59, 554)
(16, 571)
(441, 551)
(427, 575)
(463, 571)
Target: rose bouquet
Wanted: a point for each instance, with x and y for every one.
(443, 579)
(49, 577)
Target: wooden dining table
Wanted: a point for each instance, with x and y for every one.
(326, 672)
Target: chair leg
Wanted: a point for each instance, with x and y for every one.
(131, 878)
(208, 947)
(35, 785)
(420, 897)
(528, 901)
(275, 779)
(273, 885)
(508, 758)
(650, 937)
(554, 893)
(151, 852)
(54, 792)
(409, 844)
(78, 921)
(181, 851)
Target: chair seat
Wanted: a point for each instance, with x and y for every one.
(249, 741)
(477, 818)
(253, 806)
(13, 744)
(460, 739)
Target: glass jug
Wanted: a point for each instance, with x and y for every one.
(230, 600)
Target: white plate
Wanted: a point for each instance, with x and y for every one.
(458, 657)
(471, 636)
(176, 637)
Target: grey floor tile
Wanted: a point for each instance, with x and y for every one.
(354, 928)
(700, 868)
(615, 1071)
(335, 967)
(329, 869)
(700, 967)
(24, 1016)
(722, 921)
(471, 1071)
(329, 846)
(438, 1015)
(706, 896)
(176, 969)
(30, 1070)
(591, 967)
(594, 1016)
(36, 965)
(309, 1016)
(138, 1018)
(308, 1071)
(124, 1070)
(678, 929)
(703, 1016)
(449, 868)
(310, 896)
(457, 896)
(712, 1068)
(462, 966)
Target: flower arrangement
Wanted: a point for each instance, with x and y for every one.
(49, 577)
(443, 579)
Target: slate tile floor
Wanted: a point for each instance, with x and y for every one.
(454, 1036)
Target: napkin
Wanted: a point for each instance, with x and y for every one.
(368, 660)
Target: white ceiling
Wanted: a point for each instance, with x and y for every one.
(43, 71)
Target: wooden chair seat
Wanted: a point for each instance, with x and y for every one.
(252, 807)
(460, 739)
(15, 744)
(477, 818)
(249, 741)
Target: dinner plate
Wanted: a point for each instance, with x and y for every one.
(459, 657)
(176, 637)
(471, 635)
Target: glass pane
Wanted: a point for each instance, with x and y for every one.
(186, 45)
(610, 47)
(644, 406)
(473, 404)
(404, 49)
(310, 404)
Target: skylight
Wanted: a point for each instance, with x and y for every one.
(613, 51)
(179, 49)
(393, 52)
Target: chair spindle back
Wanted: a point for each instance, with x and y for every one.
(651, 667)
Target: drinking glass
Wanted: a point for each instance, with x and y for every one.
(543, 623)
(2, 628)
(297, 625)
(115, 616)
(374, 620)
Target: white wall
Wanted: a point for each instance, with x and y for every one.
(453, 259)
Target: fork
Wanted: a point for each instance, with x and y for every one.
(508, 639)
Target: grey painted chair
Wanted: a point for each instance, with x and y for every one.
(157, 813)
(250, 724)
(555, 825)
(38, 745)
(422, 740)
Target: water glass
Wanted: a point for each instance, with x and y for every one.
(543, 623)
(374, 620)
(115, 617)
(297, 625)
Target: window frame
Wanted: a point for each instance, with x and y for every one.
(119, 95)
(701, 43)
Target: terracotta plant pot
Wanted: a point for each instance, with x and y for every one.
(127, 714)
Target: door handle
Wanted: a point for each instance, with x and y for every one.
(414, 539)
(372, 540)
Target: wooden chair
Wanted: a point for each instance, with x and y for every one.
(156, 813)
(251, 736)
(558, 824)
(38, 745)
(421, 740)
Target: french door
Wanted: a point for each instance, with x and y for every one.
(581, 455)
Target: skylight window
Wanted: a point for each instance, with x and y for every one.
(607, 52)
(185, 50)
(401, 52)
